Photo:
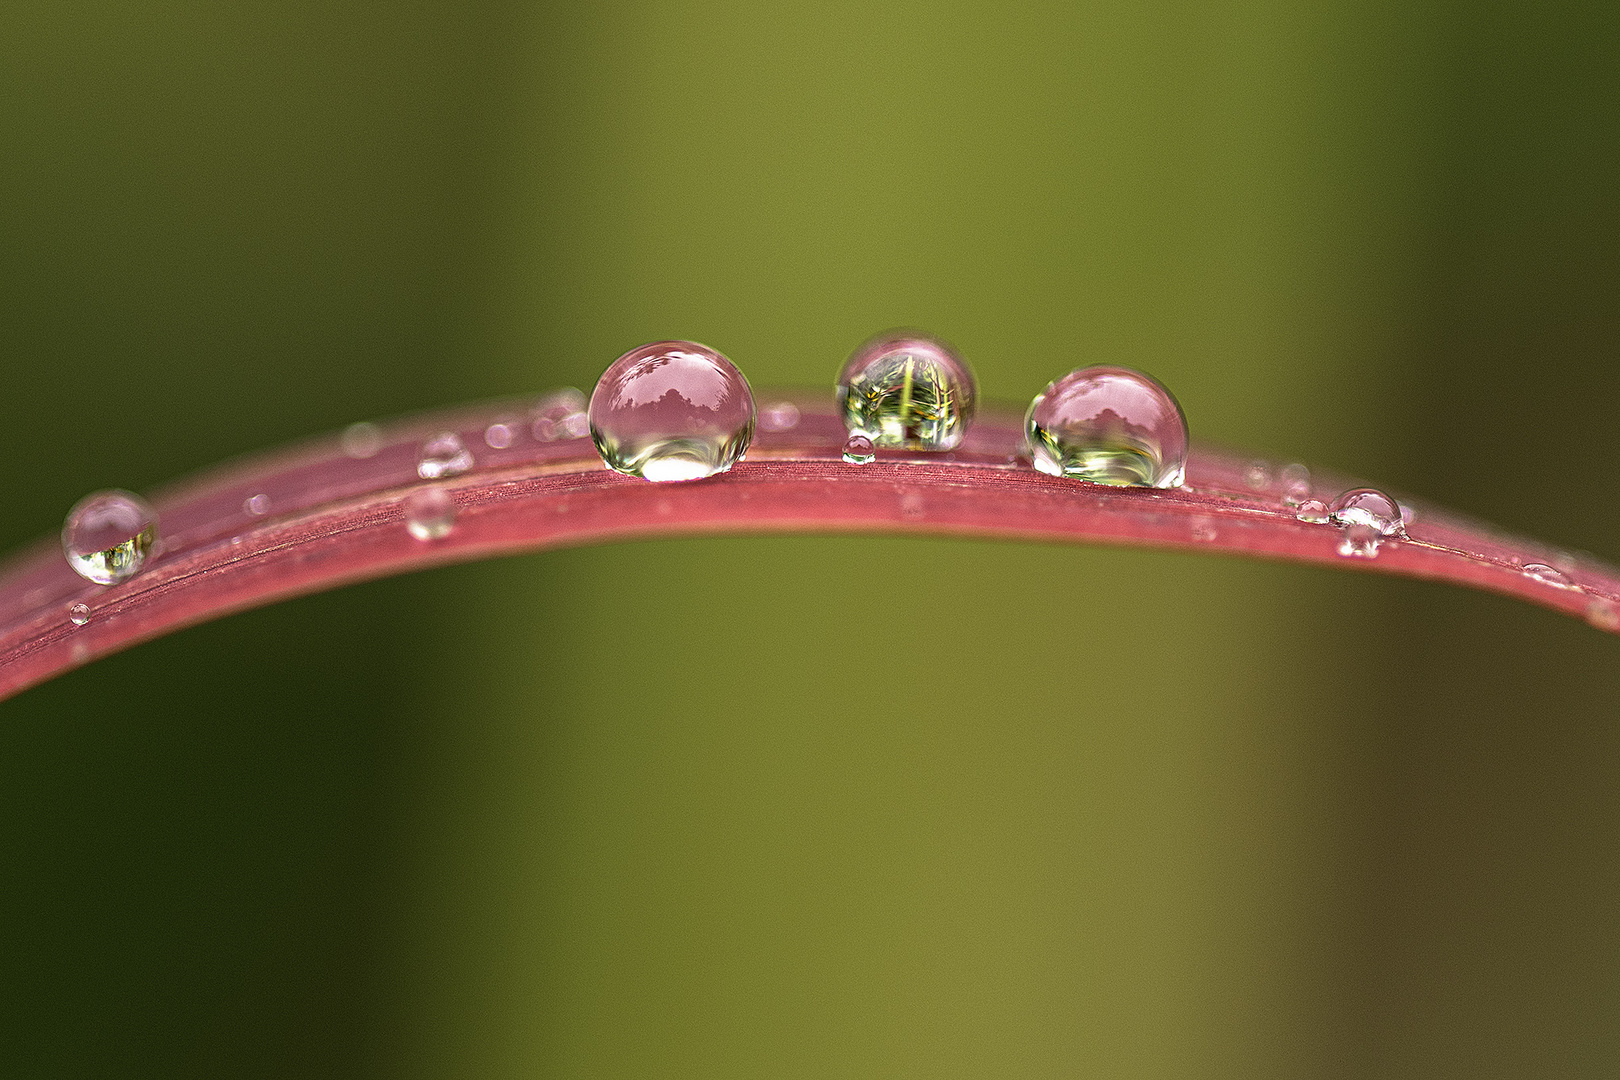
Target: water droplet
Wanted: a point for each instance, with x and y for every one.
(1203, 531)
(257, 505)
(78, 614)
(672, 410)
(1257, 476)
(498, 436)
(1314, 511)
(108, 536)
(561, 415)
(779, 416)
(907, 390)
(1296, 484)
(1543, 572)
(1109, 425)
(443, 455)
(1603, 614)
(859, 451)
(362, 440)
(1360, 541)
(430, 513)
(1368, 506)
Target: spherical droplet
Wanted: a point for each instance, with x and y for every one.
(256, 505)
(779, 416)
(560, 415)
(78, 614)
(498, 436)
(1368, 506)
(907, 390)
(1296, 484)
(1257, 476)
(430, 513)
(672, 410)
(858, 450)
(1360, 541)
(443, 455)
(362, 440)
(1545, 573)
(108, 535)
(1603, 614)
(1109, 425)
(1314, 511)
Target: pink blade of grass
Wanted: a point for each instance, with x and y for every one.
(327, 519)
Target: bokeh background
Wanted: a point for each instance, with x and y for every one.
(744, 807)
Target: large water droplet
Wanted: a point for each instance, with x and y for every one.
(430, 513)
(672, 410)
(907, 390)
(108, 535)
(1368, 506)
(443, 455)
(1545, 573)
(858, 450)
(1109, 425)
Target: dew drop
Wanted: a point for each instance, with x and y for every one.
(1109, 425)
(1603, 614)
(907, 390)
(1257, 476)
(1360, 541)
(256, 505)
(1313, 511)
(560, 415)
(362, 440)
(443, 455)
(1368, 506)
(1296, 484)
(672, 410)
(430, 513)
(78, 614)
(779, 416)
(498, 436)
(108, 536)
(1543, 572)
(858, 450)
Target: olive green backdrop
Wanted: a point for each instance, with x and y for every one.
(746, 808)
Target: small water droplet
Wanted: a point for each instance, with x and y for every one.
(498, 436)
(779, 416)
(907, 390)
(1368, 506)
(1296, 484)
(1603, 614)
(430, 513)
(1360, 541)
(858, 450)
(1543, 572)
(1314, 511)
(256, 505)
(1257, 476)
(672, 410)
(1109, 425)
(108, 536)
(235, 540)
(78, 614)
(442, 456)
(362, 440)
(561, 415)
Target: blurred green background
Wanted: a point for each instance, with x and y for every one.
(738, 808)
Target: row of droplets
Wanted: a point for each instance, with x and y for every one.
(680, 411)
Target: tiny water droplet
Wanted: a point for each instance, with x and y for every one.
(907, 390)
(858, 450)
(1368, 506)
(1296, 484)
(1360, 541)
(430, 513)
(672, 410)
(1543, 572)
(256, 505)
(108, 536)
(1109, 425)
(78, 614)
(498, 436)
(442, 456)
(1314, 511)
(1257, 476)
(779, 416)
(560, 415)
(362, 440)
(1603, 614)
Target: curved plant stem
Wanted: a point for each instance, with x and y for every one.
(314, 517)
